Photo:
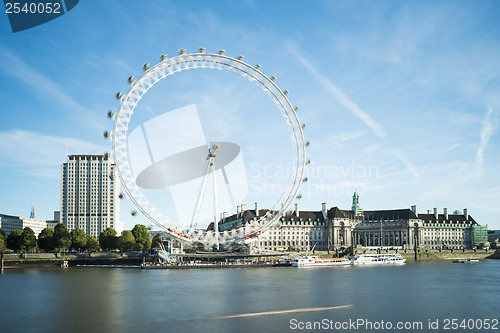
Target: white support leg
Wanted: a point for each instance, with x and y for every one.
(200, 197)
(216, 220)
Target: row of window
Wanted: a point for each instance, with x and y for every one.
(310, 222)
(278, 230)
(85, 183)
(306, 236)
(293, 243)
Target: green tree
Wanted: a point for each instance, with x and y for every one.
(3, 240)
(126, 241)
(142, 237)
(78, 239)
(156, 240)
(46, 240)
(108, 240)
(92, 244)
(28, 239)
(3, 243)
(62, 238)
(14, 240)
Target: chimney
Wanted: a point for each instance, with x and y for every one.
(445, 211)
(436, 213)
(466, 214)
(428, 211)
(243, 207)
(323, 208)
(238, 211)
(297, 209)
(414, 210)
(257, 209)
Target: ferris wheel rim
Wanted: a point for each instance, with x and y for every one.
(180, 63)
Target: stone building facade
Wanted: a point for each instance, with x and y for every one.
(335, 228)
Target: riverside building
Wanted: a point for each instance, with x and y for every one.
(335, 228)
(297, 230)
(9, 223)
(89, 194)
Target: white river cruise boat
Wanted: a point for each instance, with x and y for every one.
(379, 259)
(317, 261)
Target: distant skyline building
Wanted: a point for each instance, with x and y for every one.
(494, 238)
(89, 194)
(57, 219)
(33, 213)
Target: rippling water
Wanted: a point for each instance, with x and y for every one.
(198, 300)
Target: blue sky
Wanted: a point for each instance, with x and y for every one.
(400, 98)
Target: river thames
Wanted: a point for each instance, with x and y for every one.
(283, 299)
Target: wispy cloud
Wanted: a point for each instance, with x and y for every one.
(39, 154)
(101, 61)
(409, 165)
(342, 137)
(19, 69)
(44, 87)
(490, 123)
(340, 96)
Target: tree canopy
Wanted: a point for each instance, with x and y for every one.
(14, 240)
(3, 242)
(46, 240)
(126, 241)
(62, 238)
(92, 244)
(28, 239)
(142, 237)
(108, 240)
(156, 240)
(78, 239)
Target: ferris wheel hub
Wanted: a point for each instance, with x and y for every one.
(212, 151)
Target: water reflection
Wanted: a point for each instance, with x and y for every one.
(128, 300)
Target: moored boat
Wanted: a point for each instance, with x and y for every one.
(464, 260)
(317, 261)
(379, 259)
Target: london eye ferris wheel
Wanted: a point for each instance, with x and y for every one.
(191, 144)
